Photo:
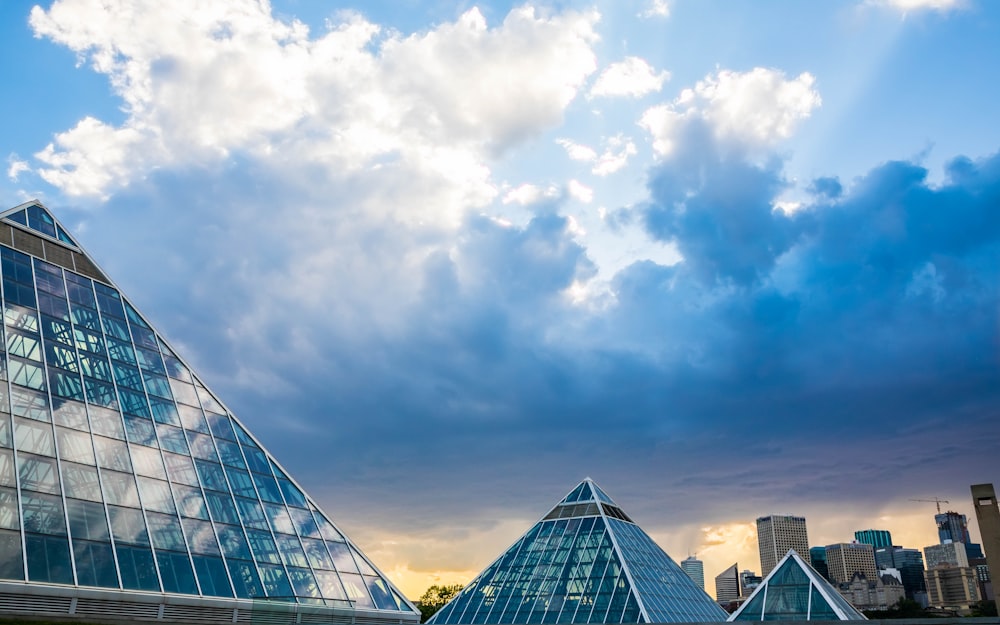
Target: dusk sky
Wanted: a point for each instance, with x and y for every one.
(446, 259)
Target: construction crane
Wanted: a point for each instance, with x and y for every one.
(935, 501)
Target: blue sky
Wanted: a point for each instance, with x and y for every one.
(446, 259)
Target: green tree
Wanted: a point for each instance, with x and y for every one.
(435, 597)
(985, 608)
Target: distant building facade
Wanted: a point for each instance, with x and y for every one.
(843, 560)
(695, 569)
(984, 498)
(953, 588)
(727, 585)
(875, 538)
(947, 554)
(776, 534)
(749, 581)
(909, 563)
(880, 593)
(954, 527)
(818, 557)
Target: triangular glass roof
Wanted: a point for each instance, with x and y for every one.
(121, 470)
(584, 562)
(795, 591)
(36, 217)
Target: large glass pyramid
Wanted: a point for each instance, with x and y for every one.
(586, 561)
(794, 591)
(120, 470)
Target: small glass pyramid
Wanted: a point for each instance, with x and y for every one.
(585, 562)
(120, 470)
(794, 591)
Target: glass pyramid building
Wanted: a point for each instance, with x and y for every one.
(586, 561)
(794, 591)
(121, 471)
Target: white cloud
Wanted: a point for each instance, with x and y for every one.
(576, 151)
(579, 191)
(755, 108)
(633, 77)
(615, 156)
(907, 6)
(16, 167)
(656, 8)
(201, 83)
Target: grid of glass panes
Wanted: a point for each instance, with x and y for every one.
(668, 594)
(129, 474)
(561, 571)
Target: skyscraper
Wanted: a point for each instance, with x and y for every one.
(909, 563)
(818, 557)
(954, 527)
(695, 569)
(984, 498)
(727, 585)
(585, 561)
(843, 560)
(121, 471)
(776, 534)
(875, 538)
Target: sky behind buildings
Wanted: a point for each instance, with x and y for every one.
(446, 259)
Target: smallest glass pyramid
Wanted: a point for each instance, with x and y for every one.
(794, 591)
(585, 561)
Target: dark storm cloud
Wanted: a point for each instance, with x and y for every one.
(413, 371)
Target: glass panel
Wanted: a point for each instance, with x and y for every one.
(128, 526)
(268, 488)
(48, 278)
(293, 496)
(120, 351)
(7, 468)
(21, 294)
(65, 384)
(6, 430)
(81, 482)
(176, 370)
(220, 506)
(246, 580)
(220, 426)
(133, 403)
(25, 403)
(100, 393)
(95, 564)
(257, 461)
(75, 446)
(318, 556)
(120, 489)
(231, 455)
(155, 495)
(53, 306)
(234, 544)
(164, 411)
(48, 559)
(156, 386)
(25, 345)
(72, 414)
(38, 474)
(43, 514)
(176, 572)
(107, 422)
(180, 469)
(59, 355)
(20, 317)
(342, 557)
(190, 502)
(202, 447)
(11, 566)
(303, 583)
(326, 529)
(171, 438)
(278, 518)
(212, 576)
(90, 342)
(241, 483)
(140, 430)
(263, 547)
(165, 531)
(251, 513)
(143, 337)
(85, 318)
(208, 401)
(34, 437)
(146, 461)
(276, 582)
(291, 551)
(383, 598)
(25, 373)
(363, 564)
(112, 454)
(58, 330)
(211, 475)
(149, 360)
(330, 586)
(80, 290)
(820, 609)
(201, 537)
(304, 524)
(357, 590)
(184, 393)
(137, 568)
(192, 418)
(115, 328)
(10, 519)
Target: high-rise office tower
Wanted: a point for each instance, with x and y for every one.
(727, 585)
(127, 489)
(695, 569)
(955, 527)
(947, 554)
(984, 498)
(818, 557)
(776, 534)
(843, 560)
(875, 538)
(909, 563)
(749, 582)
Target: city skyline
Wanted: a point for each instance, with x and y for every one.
(444, 259)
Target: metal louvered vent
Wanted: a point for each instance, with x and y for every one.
(197, 614)
(568, 511)
(34, 604)
(117, 609)
(616, 513)
(330, 619)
